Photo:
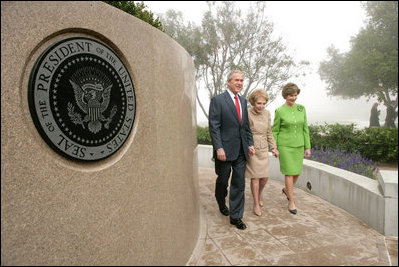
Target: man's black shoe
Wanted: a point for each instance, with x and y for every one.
(224, 210)
(238, 223)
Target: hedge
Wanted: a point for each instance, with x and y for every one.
(379, 144)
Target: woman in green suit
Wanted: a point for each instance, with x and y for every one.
(291, 132)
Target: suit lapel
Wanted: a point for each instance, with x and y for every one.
(243, 108)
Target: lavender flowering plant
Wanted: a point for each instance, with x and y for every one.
(350, 161)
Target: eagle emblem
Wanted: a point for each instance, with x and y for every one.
(93, 99)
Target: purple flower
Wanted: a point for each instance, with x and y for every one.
(351, 161)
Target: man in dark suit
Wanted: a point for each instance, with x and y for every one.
(232, 145)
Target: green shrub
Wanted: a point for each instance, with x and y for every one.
(378, 144)
(334, 135)
(203, 136)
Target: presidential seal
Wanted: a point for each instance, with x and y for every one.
(81, 98)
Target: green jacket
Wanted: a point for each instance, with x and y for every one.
(290, 127)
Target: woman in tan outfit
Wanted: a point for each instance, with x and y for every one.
(258, 165)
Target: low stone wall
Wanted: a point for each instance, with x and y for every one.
(375, 202)
(388, 181)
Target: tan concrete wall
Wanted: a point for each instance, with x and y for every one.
(137, 207)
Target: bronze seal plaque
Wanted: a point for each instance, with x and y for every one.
(81, 98)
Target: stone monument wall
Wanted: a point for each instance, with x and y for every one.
(63, 201)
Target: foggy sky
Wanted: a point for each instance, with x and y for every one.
(307, 29)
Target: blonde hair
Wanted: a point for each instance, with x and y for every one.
(258, 93)
(289, 89)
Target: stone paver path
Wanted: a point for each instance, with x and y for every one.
(320, 234)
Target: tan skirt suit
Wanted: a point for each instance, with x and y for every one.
(258, 165)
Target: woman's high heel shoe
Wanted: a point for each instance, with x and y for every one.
(294, 211)
(258, 213)
(261, 203)
(285, 194)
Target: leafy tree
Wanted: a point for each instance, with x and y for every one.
(229, 40)
(187, 35)
(370, 68)
(138, 10)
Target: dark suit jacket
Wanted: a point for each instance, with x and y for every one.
(225, 129)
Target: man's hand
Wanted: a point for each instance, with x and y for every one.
(251, 151)
(221, 155)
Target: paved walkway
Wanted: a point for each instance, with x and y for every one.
(320, 234)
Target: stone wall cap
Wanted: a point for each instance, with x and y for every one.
(389, 182)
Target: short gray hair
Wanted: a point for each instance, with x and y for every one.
(230, 76)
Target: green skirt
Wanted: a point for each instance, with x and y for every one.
(291, 160)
